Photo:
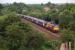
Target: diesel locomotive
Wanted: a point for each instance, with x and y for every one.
(48, 25)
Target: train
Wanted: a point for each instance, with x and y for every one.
(48, 25)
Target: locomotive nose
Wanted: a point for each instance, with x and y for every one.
(56, 29)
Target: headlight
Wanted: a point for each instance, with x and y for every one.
(56, 28)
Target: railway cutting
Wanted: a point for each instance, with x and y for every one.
(49, 35)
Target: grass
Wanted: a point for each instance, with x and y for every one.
(3, 49)
(2, 17)
(43, 48)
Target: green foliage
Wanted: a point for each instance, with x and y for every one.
(12, 18)
(8, 20)
(21, 35)
(53, 44)
(35, 41)
(36, 6)
(72, 25)
(4, 22)
(15, 35)
(67, 35)
(1, 6)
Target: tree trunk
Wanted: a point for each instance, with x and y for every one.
(58, 47)
(63, 46)
(69, 45)
(66, 46)
(15, 48)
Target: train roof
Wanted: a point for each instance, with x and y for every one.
(39, 20)
(36, 19)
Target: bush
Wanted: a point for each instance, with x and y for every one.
(35, 41)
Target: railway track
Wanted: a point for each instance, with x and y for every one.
(47, 33)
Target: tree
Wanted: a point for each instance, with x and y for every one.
(35, 41)
(68, 37)
(8, 20)
(20, 34)
(65, 17)
(15, 35)
(1, 6)
(53, 44)
(48, 4)
(72, 25)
